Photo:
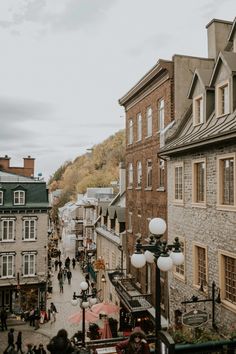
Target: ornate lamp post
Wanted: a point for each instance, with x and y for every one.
(164, 256)
(86, 301)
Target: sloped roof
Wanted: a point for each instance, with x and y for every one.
(111, 212)
(120, 212)
(191, 137)
(204, 76)
(231, 34)
(228, 59)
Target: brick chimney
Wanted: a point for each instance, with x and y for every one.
(29, 166)
(217, 35)
(4, 163)
(27, 170)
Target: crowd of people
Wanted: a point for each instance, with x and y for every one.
(14, 347)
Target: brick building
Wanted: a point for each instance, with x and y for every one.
(201, 153)
(27, 170)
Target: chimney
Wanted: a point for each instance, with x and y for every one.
(217, 35)
(122, 177)
(29, 166)
(4, 163)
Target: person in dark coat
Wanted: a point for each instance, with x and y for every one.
(19, 342)
(40, 349)
(60, 344)
(10, 338)
(3, 316)
(73, 263)
(69, 276)
(136, 344)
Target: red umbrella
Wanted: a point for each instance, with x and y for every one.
(77, 317)
(106, 331)
(106, 307)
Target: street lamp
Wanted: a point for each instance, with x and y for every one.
(165, 256)
(86, 301)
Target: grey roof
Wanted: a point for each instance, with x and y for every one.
(228, 59)
(12, 177)
(187, 136)
(230, 38)
(120, 212)
(204, 76)
(111, 212)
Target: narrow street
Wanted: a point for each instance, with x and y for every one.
(61, 301)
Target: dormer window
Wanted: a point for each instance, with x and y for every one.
(1, 197)
(198, 110)
(222, 99)
(19, 197)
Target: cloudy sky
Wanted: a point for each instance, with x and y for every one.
(65, 63)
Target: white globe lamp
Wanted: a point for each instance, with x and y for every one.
(165, 263)
(83, 285)
(138, 260)
(149, 256)
(177, 257)
(157, 226)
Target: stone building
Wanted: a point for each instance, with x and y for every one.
(201, 154)
(23, 242)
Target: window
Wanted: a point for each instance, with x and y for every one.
(139, 174)
(131, 131)
(149, 173)
(228, 278)
(200, 274)
(180, 270)
(161, 173)
(149, 121)
(29, 229)
(178, 180)
(226, 180)
(199, 182)
(161, 115)
(139, 127)
(7, 229)
(7, 266)
(198, 110)
(222, 97)
(130, 175)
(29, 264)
(1, 197)
(138, 225)
(19, 197)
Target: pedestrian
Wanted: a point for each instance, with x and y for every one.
(53, 307)
(61, 283)
(37, 318)
(31, 317)
(60, 274)
(19, 342)
(3, 316)
(10, 341)
(53, 312)
(60, 264)
(30, 349)
(59, 255)
(69, 276)
(40, 349)
(73, 263)
(64, 273)
(136, 344)
(60, 344)
(56, 264)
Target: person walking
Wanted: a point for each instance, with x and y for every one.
(32, 317)
(19, 342)
(60, 344)
(10, 340)
(37, 318)
(56, 264)
(61, 284)
(40, 349)
(53, 312)
(136, 344)
(3, 316)
(69, 276)
(30, 349)
(73, 263)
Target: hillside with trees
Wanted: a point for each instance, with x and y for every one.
(97, 168)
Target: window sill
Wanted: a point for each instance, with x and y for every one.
(179, 276)
(130, 187)
(7, 241)
(148, 189)
(228, 305)
(148, 137)
(33, 239)
(178, 202)
(222, 115)
(139, 141)
(138, 188)
(161, 189)
(29, 275)
(199, 205)
(226, 207)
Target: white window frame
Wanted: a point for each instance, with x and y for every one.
(222, 103)
(130, 175)
(195, 191)
(30, 259)
(131, 131)
(196, 266)
(178, 183)
(1, 197)
(19, 197)
(161, 174)
(198, 111)
(149, 121)
(7, 230)
(139, 127)
(222, 278)
(9, 265)
(220, 181)
(161, 115)
(139, 174)
(29, 231)
(149, 174)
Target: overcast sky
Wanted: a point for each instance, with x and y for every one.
(65, 63)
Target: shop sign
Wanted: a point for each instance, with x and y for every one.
(195, 318)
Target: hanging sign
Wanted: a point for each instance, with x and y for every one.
(195, 318)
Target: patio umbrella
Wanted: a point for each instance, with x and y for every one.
(106, 331)
(106, 307)
(77, 317)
